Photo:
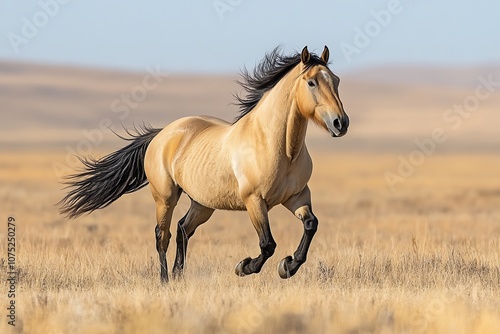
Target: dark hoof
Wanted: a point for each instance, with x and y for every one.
(283, 267)
(164, 279)
(239, 267)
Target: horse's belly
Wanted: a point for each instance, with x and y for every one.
(211, 183)
(215, 195)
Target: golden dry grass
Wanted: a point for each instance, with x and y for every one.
(425, 258)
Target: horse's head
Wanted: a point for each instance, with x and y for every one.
(318, 96)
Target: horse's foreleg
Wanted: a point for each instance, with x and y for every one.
(257, 210)
(186, 227)
(300, 205)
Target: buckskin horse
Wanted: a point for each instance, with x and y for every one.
(255, 163)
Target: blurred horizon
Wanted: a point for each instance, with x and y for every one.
(389, 108)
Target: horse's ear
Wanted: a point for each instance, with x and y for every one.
(325, 55)
(305, 55)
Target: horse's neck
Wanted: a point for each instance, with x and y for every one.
(278, 117)
(296, 128)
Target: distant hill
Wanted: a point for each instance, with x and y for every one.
(53, 106)
(426, 75)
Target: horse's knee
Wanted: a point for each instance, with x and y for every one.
(268, 248)
(311, 225)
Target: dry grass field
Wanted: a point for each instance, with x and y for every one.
(421, 258)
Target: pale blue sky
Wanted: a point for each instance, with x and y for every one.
(190, 35)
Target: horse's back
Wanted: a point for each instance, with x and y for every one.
(180, 133)
(194, 124)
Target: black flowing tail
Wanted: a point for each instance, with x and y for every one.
(103, 181)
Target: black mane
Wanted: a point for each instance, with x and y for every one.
(271, 69)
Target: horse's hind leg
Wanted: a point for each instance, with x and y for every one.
(197, 215)
(165, 204)
(300, 205)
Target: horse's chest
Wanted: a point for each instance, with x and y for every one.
(288, 181)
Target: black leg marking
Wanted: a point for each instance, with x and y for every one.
(182, 242)
(196, 215)
(253, 266)
(162, 255)
(289, 266)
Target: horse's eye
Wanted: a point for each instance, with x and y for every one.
(311, 83)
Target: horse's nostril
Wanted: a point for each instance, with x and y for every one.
(337, 124)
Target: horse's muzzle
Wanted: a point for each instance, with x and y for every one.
(338, 126)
